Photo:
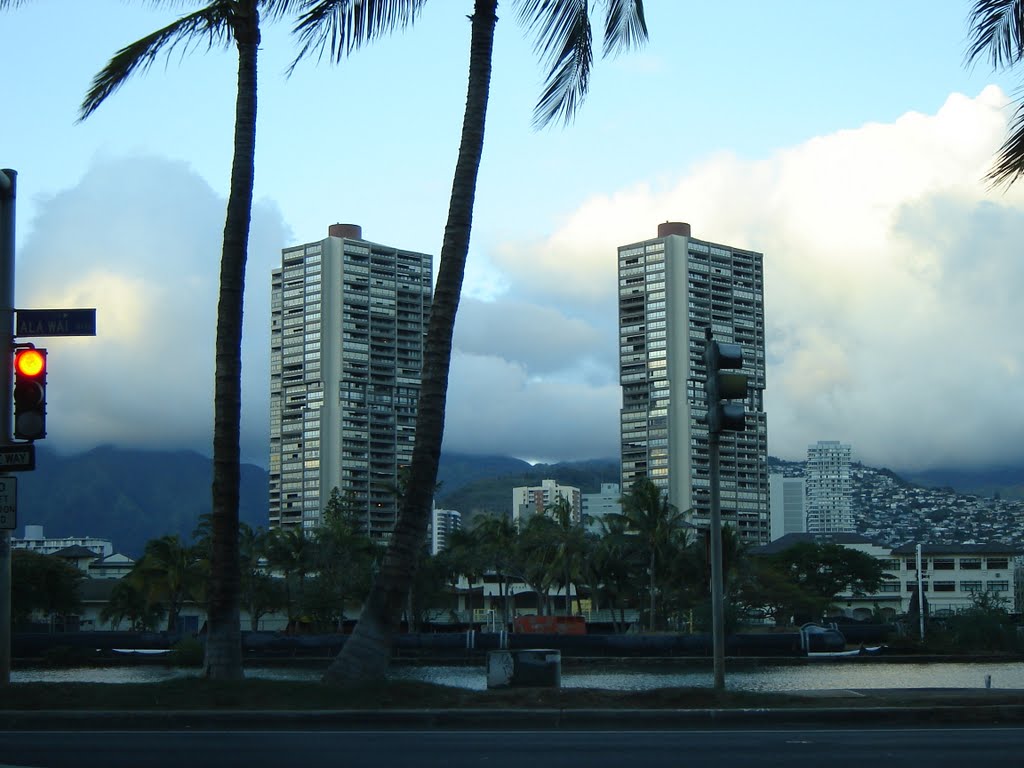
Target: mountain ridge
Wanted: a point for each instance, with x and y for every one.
(130, 496)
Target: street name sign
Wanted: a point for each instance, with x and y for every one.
(17, 458)
(8, 503)
(55, 322)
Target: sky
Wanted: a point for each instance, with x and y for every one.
(847, 142)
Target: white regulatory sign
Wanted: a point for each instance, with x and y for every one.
(8, 503)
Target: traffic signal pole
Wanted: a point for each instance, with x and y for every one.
(8, 194)
(717, 586)
(722, 417)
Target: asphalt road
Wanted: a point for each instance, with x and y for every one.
(854, 747)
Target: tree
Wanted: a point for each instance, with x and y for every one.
(341, 558)
(997, 32)
(42, 583)
(613, 569)
(169, 573)
(218, 22)
(259, 593)
(563, 40)
(290, 551)
(647, 514)
(570, 544)
(538, 555)
(127, 602)
(804, 580)
(495, 539)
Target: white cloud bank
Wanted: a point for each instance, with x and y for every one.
(893, 280)
(139, 239)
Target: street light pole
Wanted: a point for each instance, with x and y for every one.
(8, 195)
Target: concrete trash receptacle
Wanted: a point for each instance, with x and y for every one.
(539, 668)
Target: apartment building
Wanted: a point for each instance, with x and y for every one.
(671, 288)
(443, 523)
(787, 497)
(348, 323)
(829, 488)
(534, 499)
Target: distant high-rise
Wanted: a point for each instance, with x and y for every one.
(671, 288)
(348, 323)
(534, 499)
(443, 523)
(829, 488)
(597, 506)
(788, 510)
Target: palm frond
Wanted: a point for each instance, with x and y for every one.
(211, 23)
(341, 26)
(997, 29)
(625, 26)
(1009, 163)
(564, 43)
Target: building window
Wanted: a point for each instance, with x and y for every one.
(945, 586)
(889, 587)
(997, 586)
(970, 586)
(912, 585)
(997, 563)
(970, 563)
(942, 564)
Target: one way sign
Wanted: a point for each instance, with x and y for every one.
(17, 458)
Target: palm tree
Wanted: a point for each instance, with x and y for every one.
(289, 550)
(648, 515)
(563, 40)
(997, 33)
(495, 538)
(570, 543)
(169, 573)
(218, 22)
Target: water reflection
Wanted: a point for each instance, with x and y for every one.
(817, 676)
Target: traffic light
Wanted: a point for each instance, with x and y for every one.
(30, 394)
(725, 417)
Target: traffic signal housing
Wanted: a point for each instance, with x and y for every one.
(30, 394)
(722, 386)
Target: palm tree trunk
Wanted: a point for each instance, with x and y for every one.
(224, 636)
(366, 654)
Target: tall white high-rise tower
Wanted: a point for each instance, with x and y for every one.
(671, 288)
(348, 323)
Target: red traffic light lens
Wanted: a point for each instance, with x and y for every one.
(30, 362)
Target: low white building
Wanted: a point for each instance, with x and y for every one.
(36, 541)
(951, 574)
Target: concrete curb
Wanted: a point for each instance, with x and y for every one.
(503, 719)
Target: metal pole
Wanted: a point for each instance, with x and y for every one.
(8, 194)
(717, 608)
(920, 592)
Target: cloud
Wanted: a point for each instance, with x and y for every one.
(892, 281)
(495, 408)
(139, 239)
(892, 292)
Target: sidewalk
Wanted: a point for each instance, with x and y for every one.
(895, 707)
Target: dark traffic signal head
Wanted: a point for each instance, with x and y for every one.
(725, 417)
(30, 394)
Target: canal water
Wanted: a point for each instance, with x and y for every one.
(837, 674)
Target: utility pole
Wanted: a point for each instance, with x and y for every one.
(722, 417)
(8, 195)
